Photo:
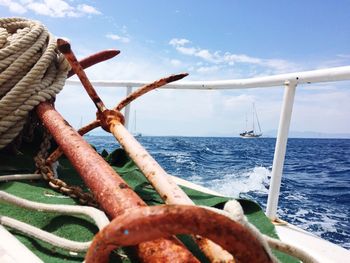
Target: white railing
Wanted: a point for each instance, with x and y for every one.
(289, 81)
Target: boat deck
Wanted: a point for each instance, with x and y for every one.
(11, 250)
(321, 249)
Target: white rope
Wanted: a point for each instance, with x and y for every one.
(37, 233)
(232, 207)
(98, 216)
(31, 71)
(290, 250)
(234, 211)
(15, 177)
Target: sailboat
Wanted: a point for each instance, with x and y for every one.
(252, 133)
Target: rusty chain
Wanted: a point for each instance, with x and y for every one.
(46, 170)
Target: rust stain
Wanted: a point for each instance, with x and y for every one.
(109, 118)
(95, 58)
(123, 186)
(64, 47)
(103, 181)
(172, 220)
(144, 89)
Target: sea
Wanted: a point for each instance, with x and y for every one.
(315, 190)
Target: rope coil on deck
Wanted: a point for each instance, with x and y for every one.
(31, 71)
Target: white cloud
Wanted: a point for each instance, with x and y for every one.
(14, 7)
(208, 69)
(240, 101)
(205, 54)
(345, 56)
(179, 45)
(118, 38)
(130, 68)
(186, 50)
(240, 58)
(124, 29)
(323, 111)
(279, 65)
(229, 59)
(88, 9)
(178, 42)
(337, 61)
(175, 62)
(205, 113)
(52, 8)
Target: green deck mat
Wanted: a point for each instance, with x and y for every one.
(80, 228)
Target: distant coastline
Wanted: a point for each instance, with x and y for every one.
(311, 135)
(268, 134)
(292, 135)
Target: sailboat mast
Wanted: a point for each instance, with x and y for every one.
(257, 119)
(251, 133)
(253, 116)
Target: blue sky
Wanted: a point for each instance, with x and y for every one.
(209, 40)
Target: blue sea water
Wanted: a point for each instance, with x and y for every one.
(315, 190)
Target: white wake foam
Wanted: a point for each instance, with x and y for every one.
(256, 180)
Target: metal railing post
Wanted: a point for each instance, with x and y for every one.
(127, 108)
(280, 149)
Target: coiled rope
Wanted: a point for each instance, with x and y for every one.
(31, 71)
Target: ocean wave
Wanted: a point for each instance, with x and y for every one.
(234, 184)
(315, 183)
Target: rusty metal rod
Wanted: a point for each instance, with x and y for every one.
(92, 125)
(109, 189)
(139, 92)
(95, 58)
(85, 63)
(56, 154)
(65, 48)
(138, 225)
(101, 179)
(163, 184)
(169, 191)
(144, 89)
